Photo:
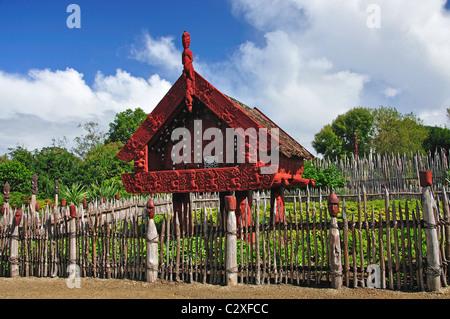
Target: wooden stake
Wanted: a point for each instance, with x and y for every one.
(433, 270)
(152, 251)
(335, 254)
(231, 253)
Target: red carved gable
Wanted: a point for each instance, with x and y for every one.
(232, 112)
(150, 146)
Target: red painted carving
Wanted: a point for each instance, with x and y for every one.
(154, 121)
(277, 204)
(140, 161)
(197, 180)
(244, 211)
(188, 71)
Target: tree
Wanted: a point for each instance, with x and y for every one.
(438, 138)
(102, 164)
(327, 142)
(54, 163)
(91, 140)
(16, 175)
(125, 124)
(22, 155)
(338, 138)
(396, 132)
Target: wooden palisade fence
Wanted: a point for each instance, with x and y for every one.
(114, 240)
(397, 172)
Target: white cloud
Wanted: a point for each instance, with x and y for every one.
(47, 104)
(157, 52)
(391, 92)
(320, 59)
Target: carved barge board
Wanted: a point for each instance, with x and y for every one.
(197, 180)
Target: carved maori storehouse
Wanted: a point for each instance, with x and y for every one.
(198, 124)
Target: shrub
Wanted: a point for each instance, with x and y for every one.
(324, 177)
(16, 175)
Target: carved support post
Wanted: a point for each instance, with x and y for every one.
(14, 245)
(243, 213)
(433, 267)
(335, 243)
(152, 244)
(277, 204)
(231, 248)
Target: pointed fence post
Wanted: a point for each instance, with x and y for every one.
(14, 245)
(152, 244)
(335, 243)
(433, 267)
(72, 236)
(231, 250)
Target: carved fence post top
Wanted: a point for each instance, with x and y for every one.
(150, 209)
(230, 203)
(34, 188)
(6, 190)
(73, 211)
(333, 204)
(425, 178)
(18, 217)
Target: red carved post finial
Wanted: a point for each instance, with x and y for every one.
(187, 58)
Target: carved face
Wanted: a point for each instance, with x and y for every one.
(18, 217)
(150, 209)
(186, 40)
(333, 205)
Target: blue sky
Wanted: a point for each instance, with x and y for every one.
(35, 34)
(301, 62)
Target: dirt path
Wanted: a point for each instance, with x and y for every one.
(90, 288)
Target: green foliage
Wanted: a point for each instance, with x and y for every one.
(22, 155)
(324, 177)
(338, 138)
(74, 193)
(396, 132)
(107, 189)
(102, 164)
(125, 124)
(327, 142)
(91, 140)
(382, 130)
(54, 163)
(17, 175)
(438, 138)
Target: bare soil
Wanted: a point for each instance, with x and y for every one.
(91, 288)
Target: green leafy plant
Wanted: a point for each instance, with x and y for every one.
(74, 194)
(324, 177)
(107, 189)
